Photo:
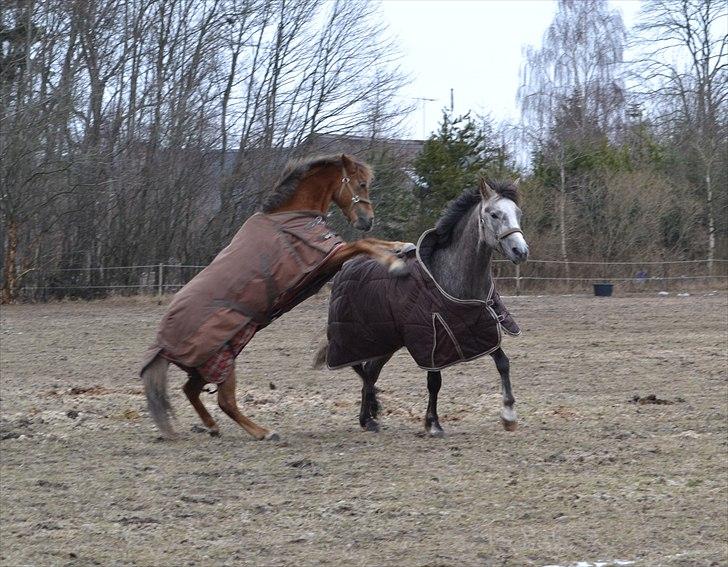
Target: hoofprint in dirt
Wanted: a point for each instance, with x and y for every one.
(598, 470)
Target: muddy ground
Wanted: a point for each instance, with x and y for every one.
(589, 476)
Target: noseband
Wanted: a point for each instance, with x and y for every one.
(355, 199)
(507, 233)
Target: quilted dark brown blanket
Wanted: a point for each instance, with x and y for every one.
(373, 313)
(273, 263)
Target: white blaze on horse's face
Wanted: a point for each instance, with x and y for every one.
(501, 223)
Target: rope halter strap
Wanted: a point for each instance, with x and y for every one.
(355, 199)
(507, 233)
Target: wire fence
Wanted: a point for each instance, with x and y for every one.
(632, 276)
(536, 276)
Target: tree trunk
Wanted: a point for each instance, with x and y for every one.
(711, 222)
(562, 220)
(10, 268)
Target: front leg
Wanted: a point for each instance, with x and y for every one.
(380, 250)
(432, 422)
(509, 419)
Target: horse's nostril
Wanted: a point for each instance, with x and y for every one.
(518, 253)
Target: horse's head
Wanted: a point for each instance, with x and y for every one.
(352, 196)
(500, 221)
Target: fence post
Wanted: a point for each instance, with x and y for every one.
(160, 282)
(518, 279)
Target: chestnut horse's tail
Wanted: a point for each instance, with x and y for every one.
(154, 377)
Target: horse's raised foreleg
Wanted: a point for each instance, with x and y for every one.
(380, 250)
(227, 402)
(509, 419)
(192, 389)
(369, 373)
(432, 422)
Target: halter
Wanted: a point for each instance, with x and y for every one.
(502, 235)
(346, 182)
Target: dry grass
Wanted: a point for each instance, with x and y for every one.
(588, 476)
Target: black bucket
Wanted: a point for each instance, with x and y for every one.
(603, 289)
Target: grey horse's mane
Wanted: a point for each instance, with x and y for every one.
(294, 172)
(460, 206)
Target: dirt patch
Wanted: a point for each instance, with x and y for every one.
(652, 399)
(99, 391)
(586, 477)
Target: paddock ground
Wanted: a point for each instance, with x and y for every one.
(589, 475)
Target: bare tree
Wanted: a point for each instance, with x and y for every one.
(34, 102)
(118, 120)
(685, 75)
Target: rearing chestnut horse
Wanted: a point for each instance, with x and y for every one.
(279, 257)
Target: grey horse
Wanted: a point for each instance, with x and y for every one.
(446, 312)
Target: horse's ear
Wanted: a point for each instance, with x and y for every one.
(485, 190)
(347, 162)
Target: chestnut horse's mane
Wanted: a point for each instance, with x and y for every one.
(295, 171)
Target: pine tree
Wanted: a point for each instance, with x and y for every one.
(452, 160)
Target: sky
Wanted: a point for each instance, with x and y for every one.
(474, 47)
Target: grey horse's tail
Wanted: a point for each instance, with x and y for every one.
(319, 359)
(154, 377)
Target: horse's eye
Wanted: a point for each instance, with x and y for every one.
(495, 216)
(363, 184)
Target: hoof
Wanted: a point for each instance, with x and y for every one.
(435, 431)
(398, 268)
(372, 426)
(509, 418)
(200, 429)
(168, 437)
(272, 436)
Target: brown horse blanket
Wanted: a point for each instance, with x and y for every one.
(273, 263)
(372, 314)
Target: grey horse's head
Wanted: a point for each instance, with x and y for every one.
(500, 221)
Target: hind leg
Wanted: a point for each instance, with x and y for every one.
(227, 402)
(192, 389)
(369, 403)
(369, 373)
